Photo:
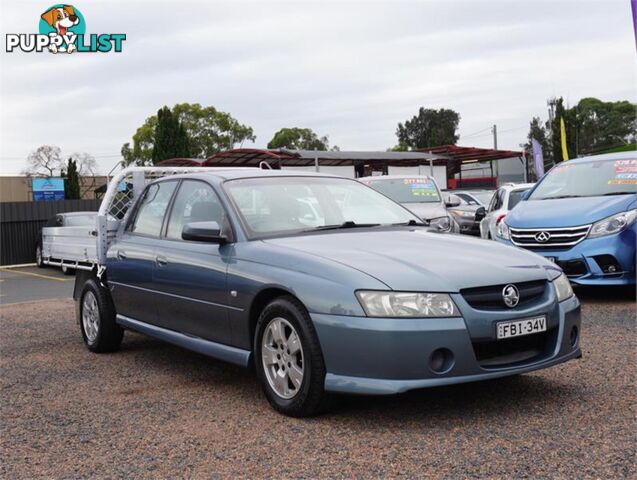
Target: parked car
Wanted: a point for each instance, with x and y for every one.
(581, 215)
(68, 219)
(419, 194)
(503, 201)
(463, 212)
(370, 301)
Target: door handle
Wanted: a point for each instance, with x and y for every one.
(121, 255)
(161, 261)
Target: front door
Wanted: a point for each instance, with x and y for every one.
(191, 276)
(131, 259)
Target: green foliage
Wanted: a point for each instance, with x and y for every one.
(171, 140)
(208, 130)
(72, 181)
(299, 139)
(604, 125)
(430, 128)
(592, 126)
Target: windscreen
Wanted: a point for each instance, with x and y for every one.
(282, 205)
(588, 179)
(406, 190)
(484, 197)
(515, 196)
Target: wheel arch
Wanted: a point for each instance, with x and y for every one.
(260, 301)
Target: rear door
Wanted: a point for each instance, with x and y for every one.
(131, 259)
(191, 276)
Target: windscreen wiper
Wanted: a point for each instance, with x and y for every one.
(344, 225)
(617, 193)
(411, 223)
(561, 196)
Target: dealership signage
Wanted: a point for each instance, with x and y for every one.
(45, 189)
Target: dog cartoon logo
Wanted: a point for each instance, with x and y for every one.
(62, 28)
(62, 20)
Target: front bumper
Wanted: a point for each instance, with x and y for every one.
(391, 355)
(584, 262)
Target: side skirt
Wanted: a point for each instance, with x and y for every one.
(226, 353)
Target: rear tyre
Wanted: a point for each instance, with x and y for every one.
(288, 359)
(38, 257)
(99, 329)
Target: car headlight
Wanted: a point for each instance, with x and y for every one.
(462, 213)
(613, 224)
(563, 288)
(442, 224)
(407, 304)
(502, 231)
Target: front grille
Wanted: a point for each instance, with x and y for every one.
(512, 351)
(490, 298)
(548, 237)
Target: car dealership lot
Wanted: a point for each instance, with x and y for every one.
(154, 410)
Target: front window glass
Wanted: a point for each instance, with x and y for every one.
(406, 190)
(152, 209)
(589, 179)
(195, 202)
(281, 205)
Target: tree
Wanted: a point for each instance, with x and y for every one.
(430, 128)
(604, 125)
(86, 170)
(45, 161)
(171, 140)
(72, 183)
(592, 126)
(209, 131)
(300, 139)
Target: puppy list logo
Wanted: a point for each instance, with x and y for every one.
(63, 30)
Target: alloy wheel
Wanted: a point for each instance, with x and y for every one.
(90, 316)
(282, 358)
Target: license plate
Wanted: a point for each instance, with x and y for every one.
(517, 328)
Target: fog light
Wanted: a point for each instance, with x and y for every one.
(574, 336)
(441, 360)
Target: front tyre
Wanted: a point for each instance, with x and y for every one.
(288, 359)
(99, 329)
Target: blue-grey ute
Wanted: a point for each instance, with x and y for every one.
(325, 285)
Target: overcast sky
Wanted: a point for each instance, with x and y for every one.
(349, 70)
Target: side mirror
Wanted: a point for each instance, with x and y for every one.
(480, 213)
(208, 232)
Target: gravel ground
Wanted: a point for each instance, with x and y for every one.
(153, 410)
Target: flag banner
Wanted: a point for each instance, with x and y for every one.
(538, 158)
(563, 135)
(633, 4)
